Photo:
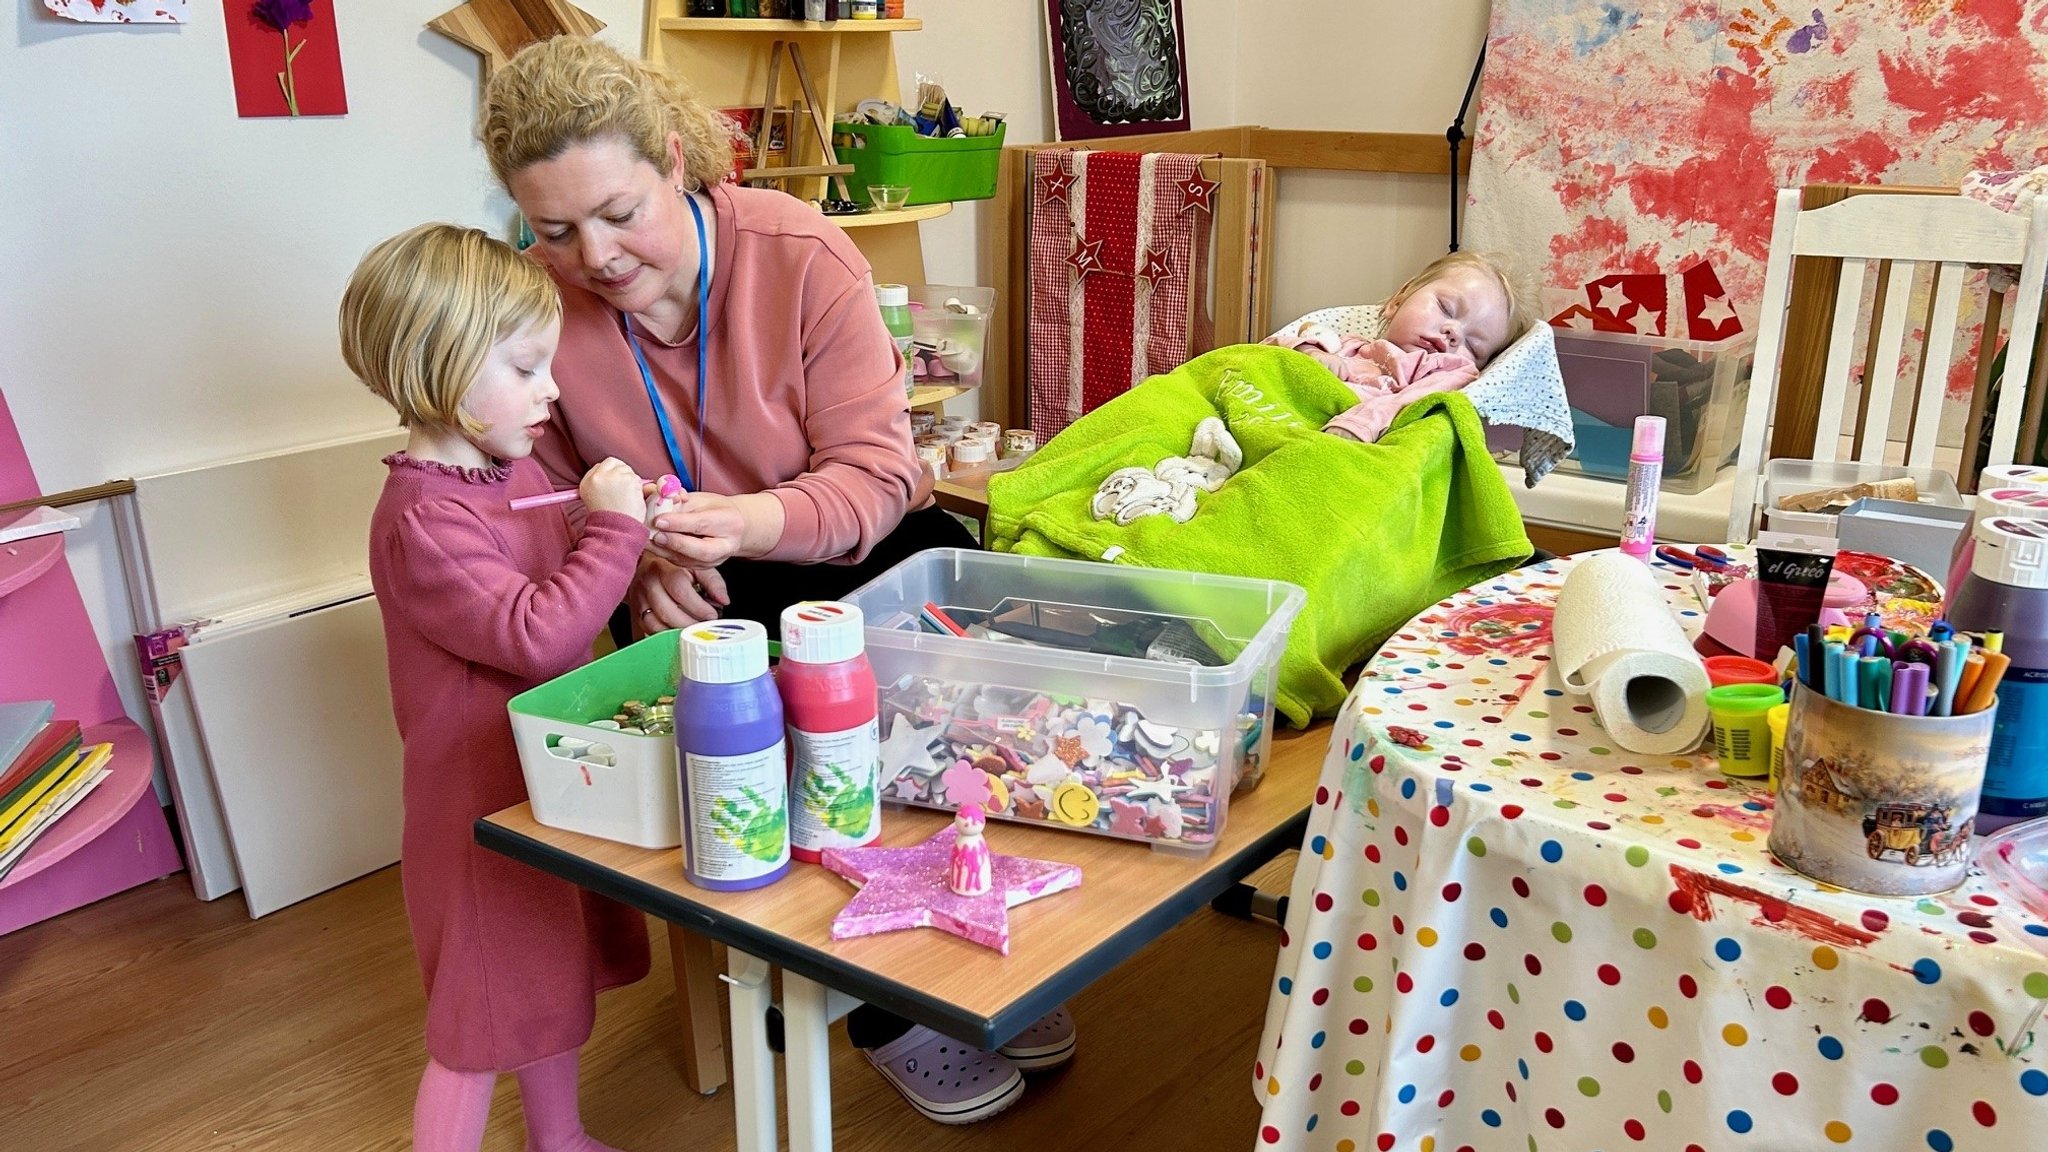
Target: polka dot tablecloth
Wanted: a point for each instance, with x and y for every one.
(1507, 933)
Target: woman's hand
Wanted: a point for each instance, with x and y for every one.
(707, 529)
(665, 596)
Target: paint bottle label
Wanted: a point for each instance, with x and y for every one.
(836, 799)
(739, 813)
(2016, 775)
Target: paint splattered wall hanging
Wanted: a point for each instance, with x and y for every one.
(1635, 136)
(122, 11)
(1119, 67)
(286, 58)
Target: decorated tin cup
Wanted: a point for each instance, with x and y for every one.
(1877, 802)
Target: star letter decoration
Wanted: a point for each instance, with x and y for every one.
(906, 888)
(1086, 256)
(1197, 192)
(1156, 268)
(1054, 184)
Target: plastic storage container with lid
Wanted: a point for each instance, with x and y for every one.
(1610, 378)
(1784, 478)
(1110, 731)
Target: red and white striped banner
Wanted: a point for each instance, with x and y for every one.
(1113, 238)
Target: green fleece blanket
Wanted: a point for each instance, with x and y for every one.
(1374, 532)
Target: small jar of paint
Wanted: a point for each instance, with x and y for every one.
(732, 759)
(835, 744)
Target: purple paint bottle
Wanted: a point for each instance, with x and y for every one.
(2007, 591)
(731, 758)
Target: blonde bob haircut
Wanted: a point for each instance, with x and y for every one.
(423, 309)
(570, 90)
(1520, 296)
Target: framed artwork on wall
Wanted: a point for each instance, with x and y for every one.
(1119, 67)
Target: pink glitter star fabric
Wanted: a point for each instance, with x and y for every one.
(906, 888)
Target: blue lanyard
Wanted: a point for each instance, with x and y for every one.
(668, 434)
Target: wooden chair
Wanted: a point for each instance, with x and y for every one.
(1888, 233)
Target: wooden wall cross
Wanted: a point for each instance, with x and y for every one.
(496, 29)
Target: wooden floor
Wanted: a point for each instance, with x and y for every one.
(151, 1022)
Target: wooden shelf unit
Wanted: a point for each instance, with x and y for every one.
(898, 216)
(730, 24)
(931, 395)
(725, 61)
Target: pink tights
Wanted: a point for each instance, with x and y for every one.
(454, 1106)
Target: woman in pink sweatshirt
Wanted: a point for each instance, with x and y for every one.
(794, 440)
(728, 335)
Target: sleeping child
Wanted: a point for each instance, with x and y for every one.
(1440, 329)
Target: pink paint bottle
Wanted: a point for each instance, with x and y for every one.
(1645, 474)
(835, 747)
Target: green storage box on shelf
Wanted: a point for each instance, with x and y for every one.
(937, 169)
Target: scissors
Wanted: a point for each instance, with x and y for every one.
(1705, 557)
(1884, 641)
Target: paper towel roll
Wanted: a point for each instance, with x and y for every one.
(1618, 642)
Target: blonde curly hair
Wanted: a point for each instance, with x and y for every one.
(422, 310)
(1514, 284)
(569, 90)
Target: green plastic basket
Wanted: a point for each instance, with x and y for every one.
(937, 169)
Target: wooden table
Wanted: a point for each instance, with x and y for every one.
(1129, 895)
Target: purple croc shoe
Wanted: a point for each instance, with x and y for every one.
(1048, 1043)
(945, 1079)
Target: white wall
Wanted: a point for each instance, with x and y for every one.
(1006, 42)
(1364, 66)
(171, 271)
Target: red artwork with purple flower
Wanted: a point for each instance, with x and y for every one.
(286, 58)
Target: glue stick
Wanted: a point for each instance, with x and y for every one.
(1645, 473)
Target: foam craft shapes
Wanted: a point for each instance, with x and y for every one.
(498, 29)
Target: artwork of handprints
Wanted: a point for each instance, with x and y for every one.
(1119, 67)
(1629, 136)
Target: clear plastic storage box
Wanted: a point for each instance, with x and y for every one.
(949, 348)
(1790, 477)
(1068, 701)
(1610, 378)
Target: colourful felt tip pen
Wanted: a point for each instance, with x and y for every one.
(552, 498)
(1986, 689)
(1874, 686)
(1909, 690)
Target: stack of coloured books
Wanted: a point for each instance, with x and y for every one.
(45, 770)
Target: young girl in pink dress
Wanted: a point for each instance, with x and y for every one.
(457, 332)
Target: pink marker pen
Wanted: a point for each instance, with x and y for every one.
(1645, 473)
